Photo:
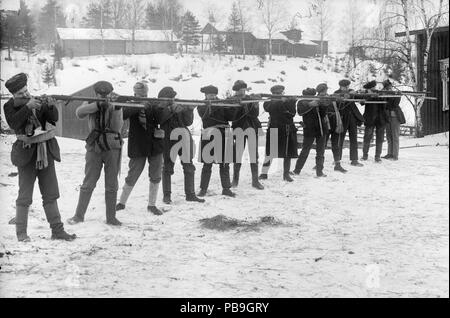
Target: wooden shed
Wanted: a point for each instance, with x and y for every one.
(435, 115)
(86, 42)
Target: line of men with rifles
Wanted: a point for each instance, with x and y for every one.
(36, 148)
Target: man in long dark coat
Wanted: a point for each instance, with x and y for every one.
(282, 113)
(351, 119)
(173, 116)
(375, 118)
(34, 153)
(315, 128)
(396, 118)
(145, 143)
(246, 117)
(214, 121)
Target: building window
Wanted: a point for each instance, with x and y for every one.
(445, 89)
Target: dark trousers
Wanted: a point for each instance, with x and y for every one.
(48, 185)
(306, 148)
(168, 171)
(368, 136)
(252, 150)
(352, 128)
(224, 170)
(337, 141)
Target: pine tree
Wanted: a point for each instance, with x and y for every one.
(234, 20)
(219, 44)
(98, 15)
(191, 30)
(51, 17)
(48, 74)
(10, 29)
(27, 31)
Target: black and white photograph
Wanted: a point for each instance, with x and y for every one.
(233, 149)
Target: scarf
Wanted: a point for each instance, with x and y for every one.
(39, 138)
(339, 125)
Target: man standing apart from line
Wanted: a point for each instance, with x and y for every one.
(103, 149)
(351, 119)
(145, 143)
(282, 113)
(214, 121)
(34, 153)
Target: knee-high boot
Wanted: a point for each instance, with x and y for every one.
(255, 182)
(110, 201)
(54, 218)
(21, 223)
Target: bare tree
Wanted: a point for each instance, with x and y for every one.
(135, 17)
(118, 13)
(324, 23)
(273, 15)
(353, 22)
(430, 14)
(245, 21)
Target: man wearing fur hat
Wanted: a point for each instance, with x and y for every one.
(351, 119)
(215, 119)
(375, 118)
(336, 127)
(246, 117)
(314, 113)
(34, 153)
(145, 143)
(174, 116)
(103, 149)
(282, 113)
(396, 118)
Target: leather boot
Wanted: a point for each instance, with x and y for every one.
(236, 172)
(54, 218)
(110, 201)
(338, 167)
(21, 223)
(83, 203)
(167, 187)
(255, 182)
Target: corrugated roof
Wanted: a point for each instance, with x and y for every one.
(115, 34)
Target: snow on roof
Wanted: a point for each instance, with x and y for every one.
(115, 34)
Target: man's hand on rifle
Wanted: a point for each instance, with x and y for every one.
(34, 103)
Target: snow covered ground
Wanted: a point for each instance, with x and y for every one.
(379, 231)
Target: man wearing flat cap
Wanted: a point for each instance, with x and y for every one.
(351, 119)
(336, 127)
(173, 116)
(245, 117)
(396, 118)
(34, 153)
(103, 150)
(215, 121)
(282, 113)
(314, 114)
(375, 118)
(145, 143)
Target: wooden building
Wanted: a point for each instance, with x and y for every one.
(86, 42)
(435, 115)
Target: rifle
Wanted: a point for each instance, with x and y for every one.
(137, 102)
(394, 94)
(353, 97)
